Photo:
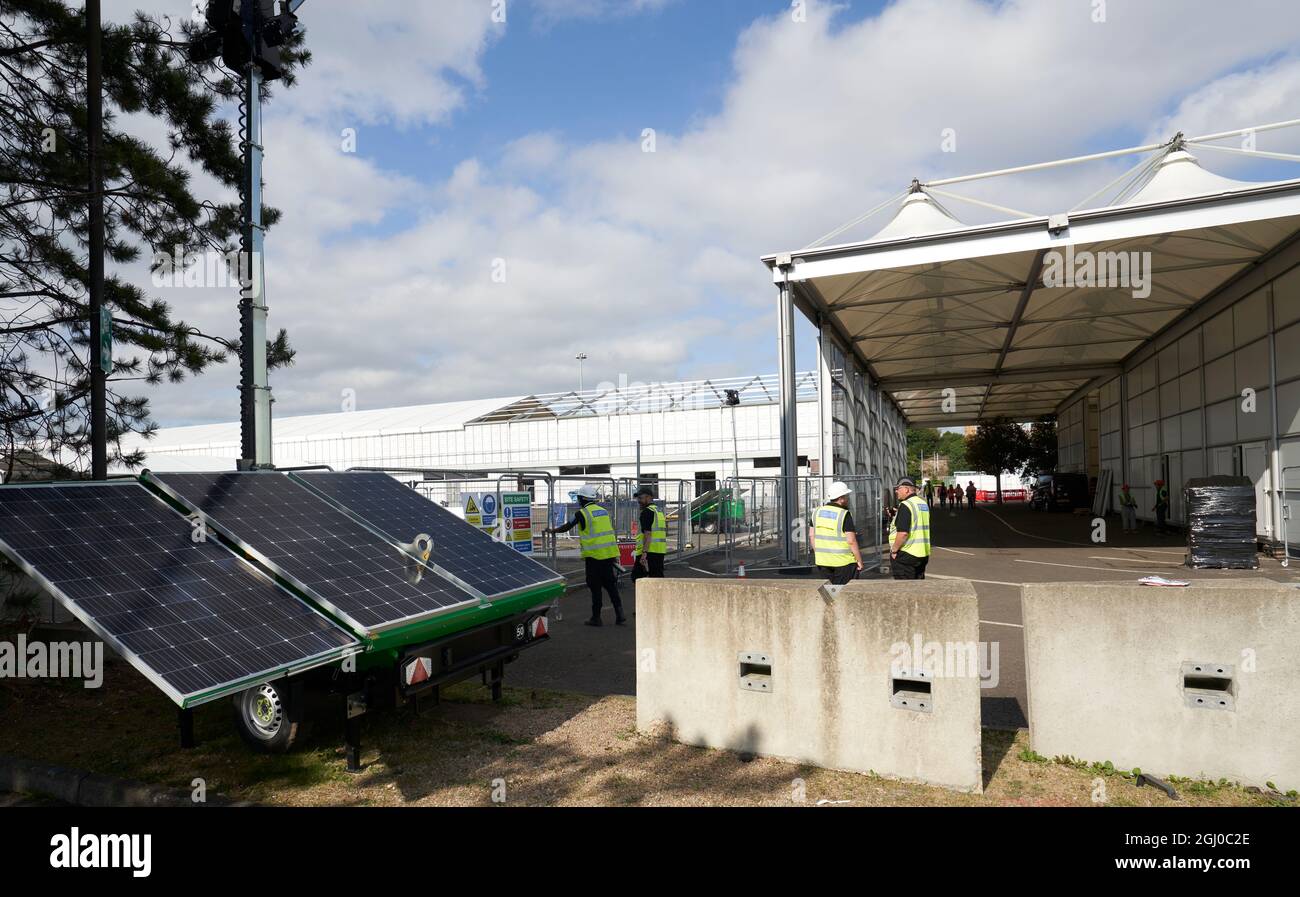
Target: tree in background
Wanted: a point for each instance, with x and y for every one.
(149, 209)
(998, 445)
(1040, 448)
(932, 442)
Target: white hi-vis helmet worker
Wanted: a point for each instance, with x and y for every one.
(837, 490)
(587, 492)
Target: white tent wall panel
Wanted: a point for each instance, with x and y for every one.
(1070, 451)
(1220, 379)
(1193, 417)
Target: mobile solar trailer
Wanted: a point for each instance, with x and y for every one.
(468, 609)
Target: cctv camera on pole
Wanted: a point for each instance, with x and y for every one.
(247, 35)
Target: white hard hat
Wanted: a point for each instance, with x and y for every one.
(588, 492)
(837, 490)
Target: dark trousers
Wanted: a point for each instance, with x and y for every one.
(602, 575)
(654, 564)
(838, 576)
(906, 566)
(1161, 512)
(651, 571)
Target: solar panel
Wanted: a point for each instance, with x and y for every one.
(462, 551)
(196, 620)
(358, 575)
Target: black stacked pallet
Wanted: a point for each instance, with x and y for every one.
(1221, 523)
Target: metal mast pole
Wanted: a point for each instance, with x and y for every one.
(95, 158)
(255, 390)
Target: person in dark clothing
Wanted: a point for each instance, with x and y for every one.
(652, 537)
(970, 495)
(599, 552)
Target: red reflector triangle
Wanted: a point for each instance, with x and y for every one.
(417, 671)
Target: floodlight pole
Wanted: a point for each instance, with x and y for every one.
(95, 239)
(254, 387)
(255, 398)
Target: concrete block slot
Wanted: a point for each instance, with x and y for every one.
(756, 672)
(911, 691)
(1209, 686)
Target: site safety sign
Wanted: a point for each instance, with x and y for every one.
(517, 517)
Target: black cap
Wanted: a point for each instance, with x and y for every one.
(644, 490)
(905, 481)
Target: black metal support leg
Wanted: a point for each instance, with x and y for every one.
(498, 677)
(356, 708)
(353, 739)
(186, 716)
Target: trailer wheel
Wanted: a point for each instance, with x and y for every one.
(264, 719)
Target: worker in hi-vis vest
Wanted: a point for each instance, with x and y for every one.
(652, 536)
(909, 533)
(599, 550)
(1128, 509)
(835, 538)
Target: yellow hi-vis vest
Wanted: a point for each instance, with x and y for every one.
(596, 533)
(658, 536)
(918, 537)
(830, 545)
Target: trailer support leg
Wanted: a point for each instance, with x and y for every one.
(498, 676)
(352, 730)
(186, 717)
(353, 739)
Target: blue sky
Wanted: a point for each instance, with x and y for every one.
(519, 145)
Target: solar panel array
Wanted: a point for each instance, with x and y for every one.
(188, 614)
(466, 552)
(342, 565)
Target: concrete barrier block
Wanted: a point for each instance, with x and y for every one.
(882, 678)
(1196, 681)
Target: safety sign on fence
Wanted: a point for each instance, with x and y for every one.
(481, 510)
(517, 520)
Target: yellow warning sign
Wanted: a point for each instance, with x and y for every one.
(472, 514)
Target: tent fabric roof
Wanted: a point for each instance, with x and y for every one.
(990, 311)
(918, 214)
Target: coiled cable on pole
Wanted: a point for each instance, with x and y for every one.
(247, 422)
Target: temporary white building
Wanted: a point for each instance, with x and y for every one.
(680, 430)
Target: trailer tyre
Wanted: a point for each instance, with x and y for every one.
(266, 720)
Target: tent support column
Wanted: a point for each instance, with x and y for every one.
(789, 409)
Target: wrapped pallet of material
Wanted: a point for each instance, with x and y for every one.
(1221, 522)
